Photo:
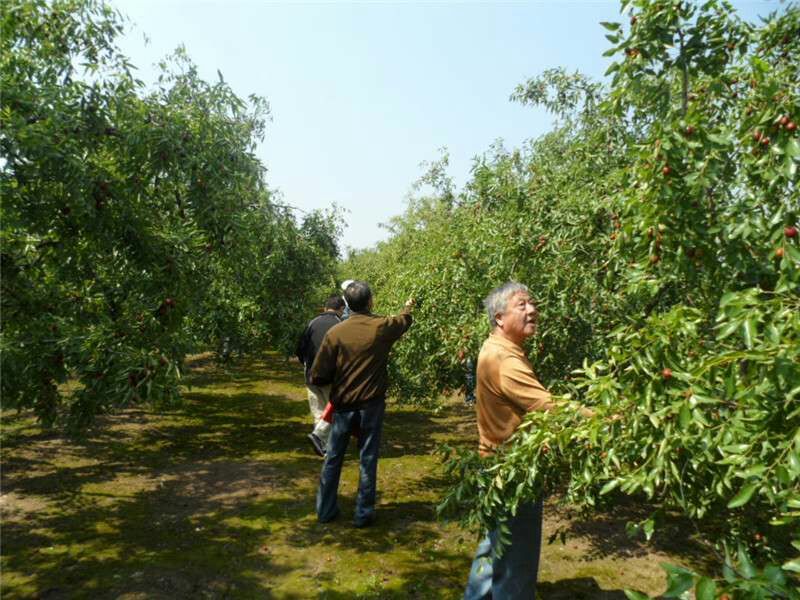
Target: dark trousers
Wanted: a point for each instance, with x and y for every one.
(370, 422)
(512, 575)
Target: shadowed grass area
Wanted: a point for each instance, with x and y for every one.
(216, 500)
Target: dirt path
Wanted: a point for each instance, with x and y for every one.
(215, 500)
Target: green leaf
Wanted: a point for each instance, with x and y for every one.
(746, 567)
(792, 565)
(754, 471)
(609, 486)
(706, 589)
(774, 575)
(722, 140)
(726, 298)
(789, 167)
(744, 495)
(792, 252)
(634, 595)
(773, 334)
(792, 148)
(728, 573)
(735, 448)
(678, 581)
(610, 26)
(794, 463)
(685, 416)
(649, 527)
(749, 332)
(728, 329)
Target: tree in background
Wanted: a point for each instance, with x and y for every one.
(136, 224)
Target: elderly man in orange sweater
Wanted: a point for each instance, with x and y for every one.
(507, 388)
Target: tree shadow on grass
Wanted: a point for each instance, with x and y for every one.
(429, 431)
(420, 566)
(604, 530)
(194, 535)
(182, 537)
(434, 573)
(580, 588)
(180, 504)
(71, 529)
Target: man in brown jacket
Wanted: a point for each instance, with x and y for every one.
(352, 360)
(507, 389)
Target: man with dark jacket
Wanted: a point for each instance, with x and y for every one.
(352, 360)
(307, 348)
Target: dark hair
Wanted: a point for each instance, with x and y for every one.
(358, 296)
(334, 302)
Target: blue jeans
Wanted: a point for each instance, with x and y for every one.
(512, 576)
(370, 421)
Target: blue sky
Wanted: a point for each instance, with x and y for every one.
(362, 93)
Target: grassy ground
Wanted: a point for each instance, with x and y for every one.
(216, 500)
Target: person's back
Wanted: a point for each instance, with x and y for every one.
(355, 357)
(312, 337)
(306, 351)
(353, 360)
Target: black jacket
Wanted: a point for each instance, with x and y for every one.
(309, 343)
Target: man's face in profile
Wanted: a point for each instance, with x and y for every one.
(519, 320)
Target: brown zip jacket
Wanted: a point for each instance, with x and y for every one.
(353, 358)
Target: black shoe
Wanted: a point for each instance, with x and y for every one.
(366, 522)
(332, 518)
(317, 444)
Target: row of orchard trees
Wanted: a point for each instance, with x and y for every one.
(657, 226)
(136, 223)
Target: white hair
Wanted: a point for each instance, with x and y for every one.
(497, 300)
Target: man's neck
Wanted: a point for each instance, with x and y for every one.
(499, 332)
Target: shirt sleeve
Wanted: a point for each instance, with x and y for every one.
(324, 367)
(519, 384)
(397, 325)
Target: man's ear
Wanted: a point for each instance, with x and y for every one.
(498, 318)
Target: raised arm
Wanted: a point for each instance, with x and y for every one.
(397, 325)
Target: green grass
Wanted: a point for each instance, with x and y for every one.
(216, 500)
